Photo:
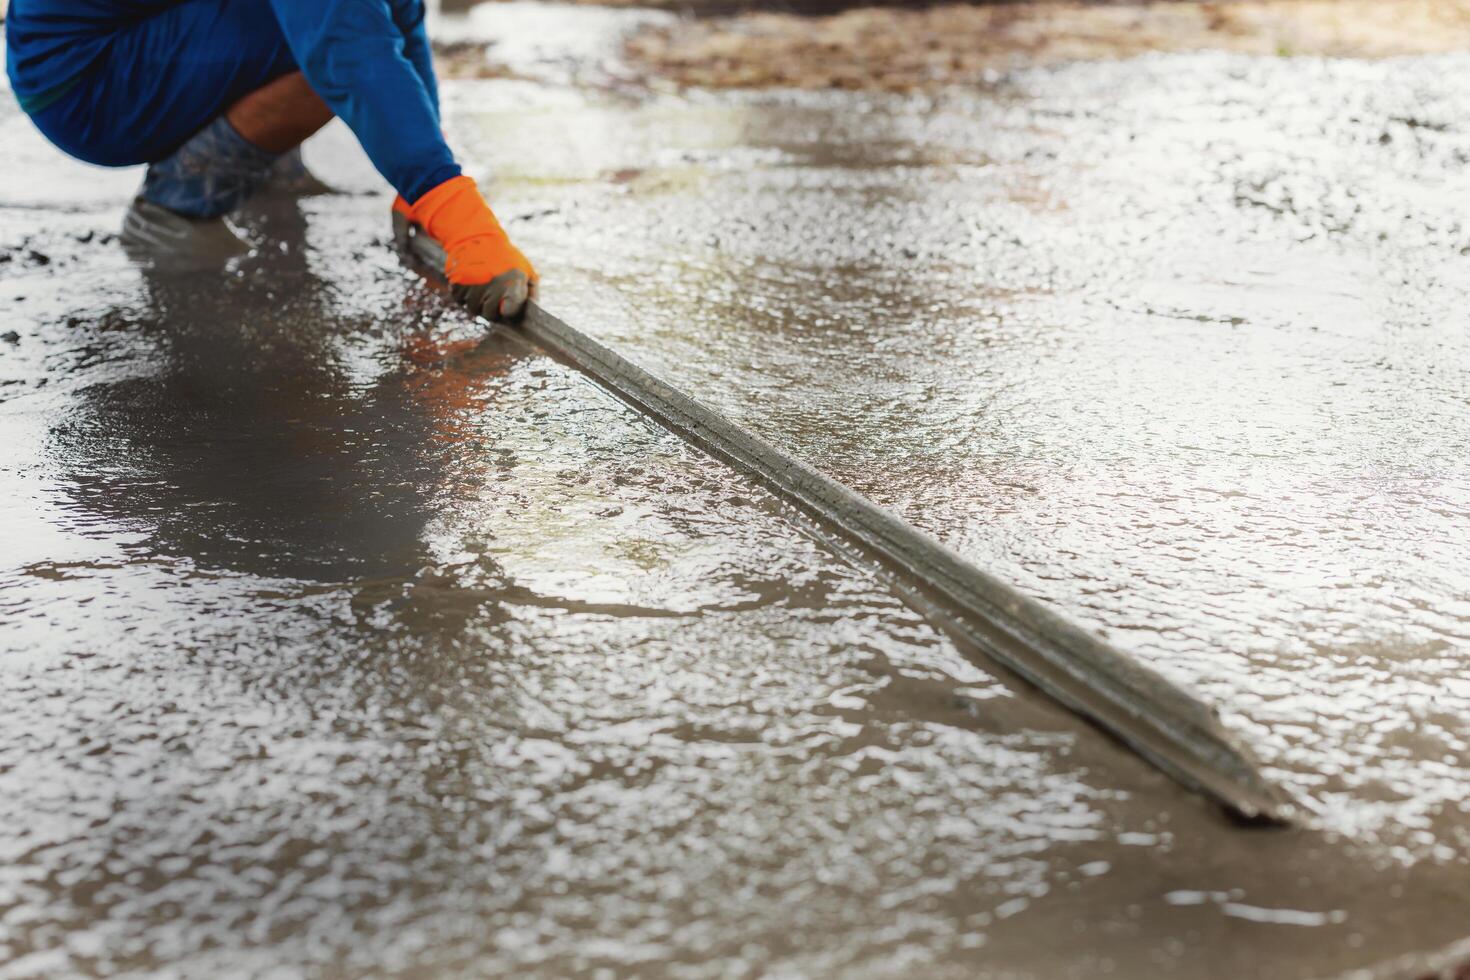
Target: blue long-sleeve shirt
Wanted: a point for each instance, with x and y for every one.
(369, 60)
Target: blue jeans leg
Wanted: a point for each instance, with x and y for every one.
(166, 77)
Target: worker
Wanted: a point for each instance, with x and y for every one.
(216, 96)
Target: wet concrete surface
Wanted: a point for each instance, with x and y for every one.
(339, 639)
(1177, 343)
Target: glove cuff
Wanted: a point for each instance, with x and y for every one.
(454, 212)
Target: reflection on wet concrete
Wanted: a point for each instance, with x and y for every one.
(340, 638)
(249, 448)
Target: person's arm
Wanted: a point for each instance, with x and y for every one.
(369, 61)
(410, 16)
(378, 80)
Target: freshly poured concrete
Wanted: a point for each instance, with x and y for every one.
(336, 640)
(1177, 344)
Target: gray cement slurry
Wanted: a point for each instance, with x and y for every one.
(1177, 344)
(1160, 721)
(338, 639)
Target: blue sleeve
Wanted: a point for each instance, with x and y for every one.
(374, 71)
(409, 15)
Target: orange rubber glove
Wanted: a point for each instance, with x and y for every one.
(486, 273)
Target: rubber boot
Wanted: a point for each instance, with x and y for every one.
(185, 195)
(151, 231)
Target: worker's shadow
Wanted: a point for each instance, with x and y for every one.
(284, 436)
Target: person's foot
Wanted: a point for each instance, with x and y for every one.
(153, 231)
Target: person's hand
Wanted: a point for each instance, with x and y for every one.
(486, 273)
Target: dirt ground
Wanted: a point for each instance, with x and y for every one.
(903, 48)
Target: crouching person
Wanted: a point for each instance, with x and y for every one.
(215, 96)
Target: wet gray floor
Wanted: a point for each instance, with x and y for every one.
(339, 639)
(1177, 344)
